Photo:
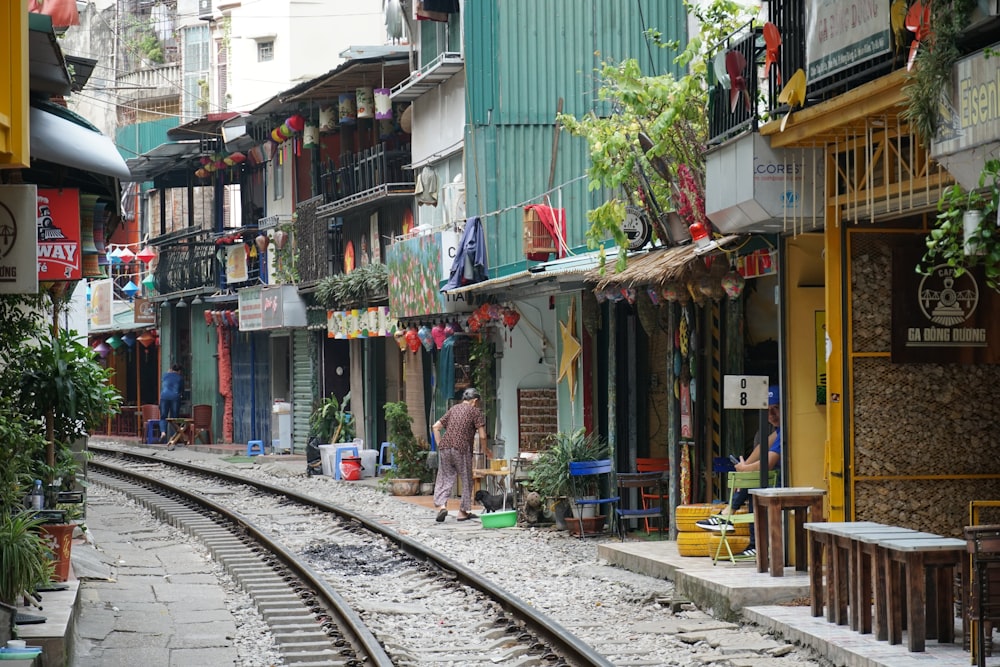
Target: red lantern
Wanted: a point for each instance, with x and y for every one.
(208, 318)
(146, 255)
(412, 340)
(296, 122)
(146, 339)
(510, 318)
(400, 338)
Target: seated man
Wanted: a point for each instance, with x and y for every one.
(751, 463)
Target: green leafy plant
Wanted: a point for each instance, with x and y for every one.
(22, 446)
(25, 559)
(549, 475)
(947, 242)
(331, 422)
(482, 358)
(411, 454)
(363, 286)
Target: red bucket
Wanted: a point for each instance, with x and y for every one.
(350, 468)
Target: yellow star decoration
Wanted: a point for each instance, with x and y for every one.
(571, 349)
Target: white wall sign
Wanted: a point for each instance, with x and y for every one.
(744, 392)
(844, 33)
(18, 239)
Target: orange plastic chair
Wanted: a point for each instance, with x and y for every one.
(150, 418)
(651, 500)
(201, 421)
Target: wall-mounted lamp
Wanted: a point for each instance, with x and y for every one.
(181, 303)
(197, 300)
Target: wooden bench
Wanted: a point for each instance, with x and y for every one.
(769, 506)
(829, 542)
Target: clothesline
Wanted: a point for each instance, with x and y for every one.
(501, 211)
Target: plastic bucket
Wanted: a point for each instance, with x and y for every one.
(350, 468)
(59, 538)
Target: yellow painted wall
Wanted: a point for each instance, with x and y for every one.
(806, 421)
(14, 138)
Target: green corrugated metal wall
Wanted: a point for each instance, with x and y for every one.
(139, 138)
(204, 367)
(304, 384)
(521, 57)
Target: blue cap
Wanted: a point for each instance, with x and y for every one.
(773, 395)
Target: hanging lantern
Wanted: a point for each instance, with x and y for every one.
(412, 339)
(209, 320)
(426, 339)
(146, 339)
(237, 157)
(449, 330)
(629, 294)
(130, 289)
(129, 339)
(115, 342)
(383, 104)
(310, 136)
(146, 255)
(733, 284)
(149, 282)
(327, 119)
(347, 108)
(400, 338)
(261, 242)
(126, 255)
(438, 334)
(296, 122)
(511, 317)
(115, 256)
(102, 349)
(654, 296)
(280, 239)
(365, 98)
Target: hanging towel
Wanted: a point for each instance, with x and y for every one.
(469, 265)
(554, 220)
(426, 187)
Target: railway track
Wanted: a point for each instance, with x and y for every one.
(336, 585)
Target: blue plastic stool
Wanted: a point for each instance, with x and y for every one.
(255, 448)
(386, 447)
(339, 452)
(152, 425)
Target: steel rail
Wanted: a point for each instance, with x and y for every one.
(572, 648)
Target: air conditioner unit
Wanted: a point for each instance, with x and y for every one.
(205, 10)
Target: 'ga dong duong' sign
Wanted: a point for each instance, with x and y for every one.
(844, 33)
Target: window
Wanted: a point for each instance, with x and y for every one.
(196, 71)
(265, 51)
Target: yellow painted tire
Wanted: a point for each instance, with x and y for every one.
(736, 542)
(693, 544)
(685, 516)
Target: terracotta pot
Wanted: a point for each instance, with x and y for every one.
(591, 525)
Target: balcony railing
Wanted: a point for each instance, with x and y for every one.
(153, 83)
(187, 262)
(370, 174)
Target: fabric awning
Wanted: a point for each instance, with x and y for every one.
(57, 139)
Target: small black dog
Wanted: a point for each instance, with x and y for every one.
(493, 503)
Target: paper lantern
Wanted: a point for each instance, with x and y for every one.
(296, 122)
(412, 340)
(733, 284)
(426, 339)
(146, 255)
(654, 296)
(347, 108)
(115, 342)
(129, 339)
(102, 349)
(383, 104)
(365, 99)
(449, 330)
(327, 119)
(310, 136)
(438, 334)
(280, 239)
(115, 256)
(130, 289)
(126, 255)
(149, 282)
(400, 338)
(146, 338)
(209, 320)
(261, 242)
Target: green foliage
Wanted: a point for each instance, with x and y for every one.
(549, 475)
(946, 241)
(411, 454)
(22, 446)
(671, 111)
(930, 77)
(25, 560)
(331, 422)
(481, 361)
(361, 287)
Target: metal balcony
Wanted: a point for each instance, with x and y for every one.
(360, 178)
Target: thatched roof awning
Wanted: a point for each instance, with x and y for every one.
(655, 267)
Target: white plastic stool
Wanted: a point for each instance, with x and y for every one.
(338, 452)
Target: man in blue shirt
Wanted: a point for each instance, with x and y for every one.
(752, 463)
(171, 390)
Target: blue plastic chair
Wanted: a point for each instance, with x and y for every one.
(591, 475)
(387, 448)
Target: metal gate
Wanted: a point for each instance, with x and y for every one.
(251, 359)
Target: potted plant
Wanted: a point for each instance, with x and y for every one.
(549, 475)
(410, 456)
(331, 422)
(965, 233)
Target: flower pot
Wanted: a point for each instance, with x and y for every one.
(591, 525)
(587, 511)
(403, 486)
(59, 537)
(427, 488)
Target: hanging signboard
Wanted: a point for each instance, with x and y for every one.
(58, 222)
(236, 264)
(360, 323)
(101, 296)
(277, 307)
(18, 245)
(144, 311)
(841, 34)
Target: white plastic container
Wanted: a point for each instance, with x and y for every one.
(369, 459)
